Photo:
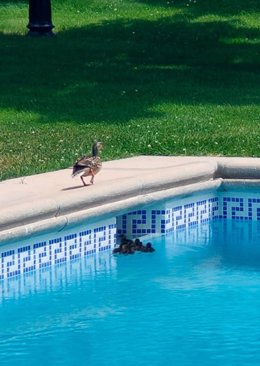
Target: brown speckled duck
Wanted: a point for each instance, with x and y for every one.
(88, 165)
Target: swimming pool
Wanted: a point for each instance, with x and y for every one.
(66, 300)
(193, 301)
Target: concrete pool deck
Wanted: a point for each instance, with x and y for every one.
(32, 204)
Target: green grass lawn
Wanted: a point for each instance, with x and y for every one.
(145, 77)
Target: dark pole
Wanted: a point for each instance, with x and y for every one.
(40, 18)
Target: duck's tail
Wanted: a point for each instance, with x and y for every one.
(75, 172)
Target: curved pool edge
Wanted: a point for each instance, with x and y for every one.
(61, 223)
(42, 203)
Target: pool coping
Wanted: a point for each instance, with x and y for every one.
(31, 205)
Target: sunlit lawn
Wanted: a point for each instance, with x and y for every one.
(145, 77)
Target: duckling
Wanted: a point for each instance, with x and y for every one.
(89, 165)
(138, 245)
(149, 248)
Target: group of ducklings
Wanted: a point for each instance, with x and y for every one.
(128, 246)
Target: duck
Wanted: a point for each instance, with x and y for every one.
(88, 165)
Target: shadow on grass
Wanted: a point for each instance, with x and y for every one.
(119, 70)
(205, 7)
(13, 3)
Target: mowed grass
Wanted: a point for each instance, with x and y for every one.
(145, 77)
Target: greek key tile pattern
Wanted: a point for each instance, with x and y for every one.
(170, 217)
(241, 208)
(187, 213)
(26, 258)
(51, 277)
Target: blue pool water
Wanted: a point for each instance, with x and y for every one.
(194, 301)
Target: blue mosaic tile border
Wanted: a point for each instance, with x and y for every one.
(177, 215)
(51, 277)
(39, 255)
(183, 214)
(241, 208)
